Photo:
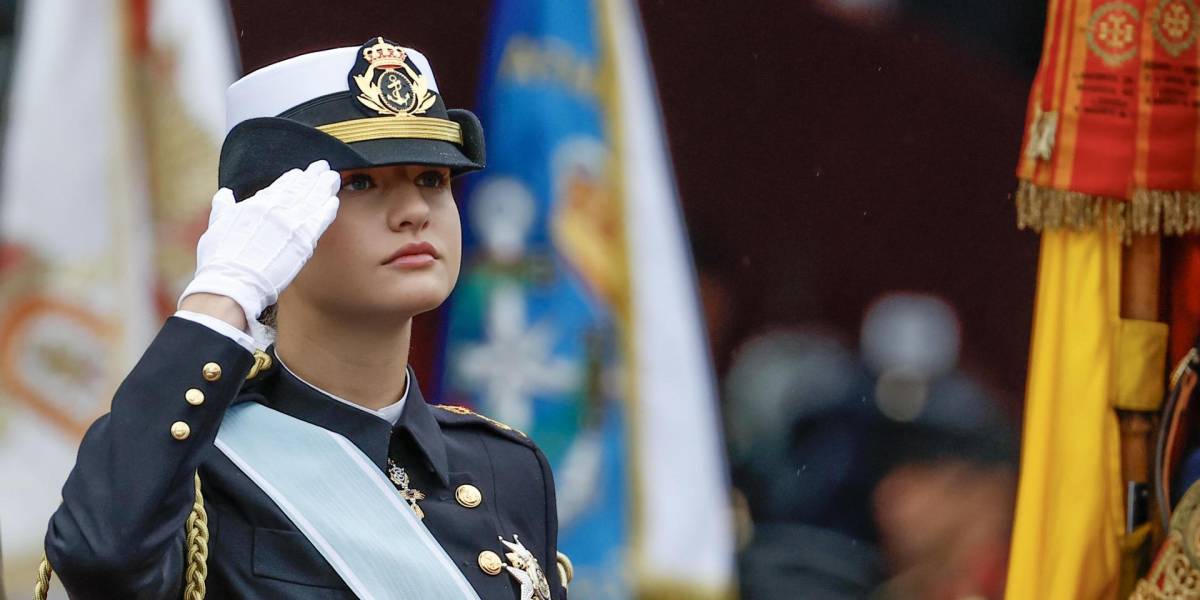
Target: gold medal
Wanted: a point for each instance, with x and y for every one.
(525, 569)
(399, 478)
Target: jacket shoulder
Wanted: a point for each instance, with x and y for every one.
(449, 415)
(528, 484)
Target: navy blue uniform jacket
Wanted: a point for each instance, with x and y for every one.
(120, 530)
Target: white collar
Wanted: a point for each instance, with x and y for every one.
(390, 413)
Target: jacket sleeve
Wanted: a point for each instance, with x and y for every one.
(119, 531)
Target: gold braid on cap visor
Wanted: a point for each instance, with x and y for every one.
(378, 128)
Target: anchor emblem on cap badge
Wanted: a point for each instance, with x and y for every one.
(387, 81)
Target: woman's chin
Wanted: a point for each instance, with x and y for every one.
(408, 296)
(412, 301)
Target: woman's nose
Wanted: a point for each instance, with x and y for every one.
(408, 209)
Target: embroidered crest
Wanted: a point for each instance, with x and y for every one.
(387, 82)
(1174, 25)
(525, 569)
(1112, 32)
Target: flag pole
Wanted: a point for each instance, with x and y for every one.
(1141, 263)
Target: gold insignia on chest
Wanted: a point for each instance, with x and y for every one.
(525, 569)
(388, 83)
(400, 479)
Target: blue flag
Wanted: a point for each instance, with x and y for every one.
(549, 330)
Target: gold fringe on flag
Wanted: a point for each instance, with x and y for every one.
(1148, 212)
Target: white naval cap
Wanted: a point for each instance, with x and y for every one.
(356, 107)
(277, 87)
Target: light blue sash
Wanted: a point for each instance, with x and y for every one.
(343, 504)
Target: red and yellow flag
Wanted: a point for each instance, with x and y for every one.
(1110, 152)
(1113, 119)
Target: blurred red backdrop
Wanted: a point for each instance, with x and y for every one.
(819, 163)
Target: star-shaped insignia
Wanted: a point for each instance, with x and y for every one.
(525, 569)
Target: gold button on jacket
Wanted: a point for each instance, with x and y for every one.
(212, 371)
(180, 430)
(468, 495)
(490, 562)
(194, 397)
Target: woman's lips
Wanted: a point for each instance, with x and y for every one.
(415, 254)
(412, 260)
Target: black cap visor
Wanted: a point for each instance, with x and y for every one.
(257, 151)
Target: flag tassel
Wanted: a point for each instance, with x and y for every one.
(1147, 212)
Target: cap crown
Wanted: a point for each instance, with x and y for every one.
(276, 88)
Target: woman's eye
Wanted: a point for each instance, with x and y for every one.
(434, 179)
(358, 183)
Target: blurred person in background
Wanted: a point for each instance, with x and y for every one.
(944, 502)
(888, 475)
(803, 456)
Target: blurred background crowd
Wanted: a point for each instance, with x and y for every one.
(845, 172)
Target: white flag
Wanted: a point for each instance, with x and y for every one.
(685, 543)
(115, 122)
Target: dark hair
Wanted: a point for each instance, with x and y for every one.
(269, 316)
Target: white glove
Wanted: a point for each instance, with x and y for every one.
(253, 249)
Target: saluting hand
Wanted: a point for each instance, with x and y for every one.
(253, 249)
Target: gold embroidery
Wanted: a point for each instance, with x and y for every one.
(1173, 23)
(1174, 575)
(460, 410)
(375, 128)
(1112, 32)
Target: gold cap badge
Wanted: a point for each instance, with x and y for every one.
(388, 83)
